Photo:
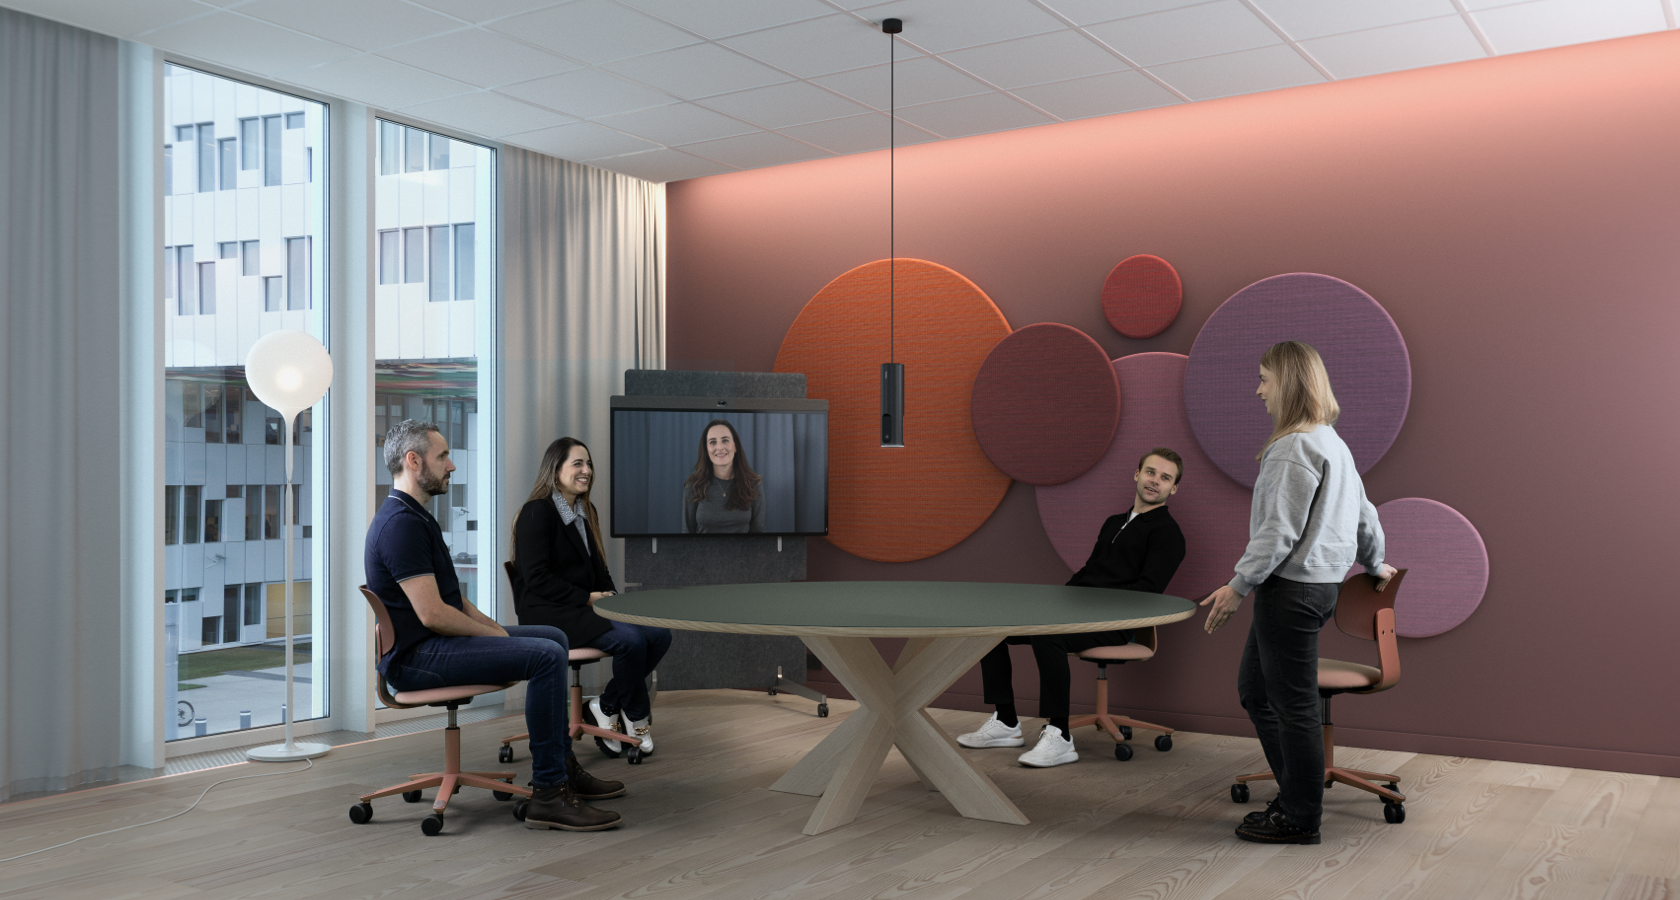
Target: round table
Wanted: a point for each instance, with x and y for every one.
(950, 626)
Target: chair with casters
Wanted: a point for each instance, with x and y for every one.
(576, 727)
(1363, 613)
(451, 779)
(1116, 726)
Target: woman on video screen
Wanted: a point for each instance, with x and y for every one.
(723, 495)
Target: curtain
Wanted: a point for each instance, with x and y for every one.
(61, 642)
(583, 285)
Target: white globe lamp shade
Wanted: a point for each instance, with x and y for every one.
(289, 371)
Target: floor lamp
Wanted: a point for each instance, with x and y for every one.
(289, 371)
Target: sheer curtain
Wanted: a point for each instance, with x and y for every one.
(61, 615)
(583, 286)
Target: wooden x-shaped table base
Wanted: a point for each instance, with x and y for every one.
(893, 712)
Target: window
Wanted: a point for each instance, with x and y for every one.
(253, 604)
(212, 632)
(207, 157)
(253, 512)
(464, 261)
(250, 151)
(178, 281)
(229, 152)
(272, 294)
(184, 133)
(297, 273)
(169, 170)
(235, 491)
(440, 151)
(414, 157)
(212, 414)
(172, 514)
(232, 402)
(212, 521)
(189, 523)
(390, 148)
(271, 427)
(271, 511)
(171, 596)
(438, 291)
(231, 607)
(189, 595)
(207, 288)
(294, 120)
(271, 150)
(192, 405)
(227, 250)
(390, 257)
(414, 255)
(249, 257)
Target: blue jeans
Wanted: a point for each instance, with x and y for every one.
(1278, 684)
(534, 654)
(635, 650)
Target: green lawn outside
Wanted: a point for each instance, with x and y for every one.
(247, 659)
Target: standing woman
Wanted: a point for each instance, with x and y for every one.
(723, 495)
(1310, 522)
(559, 573)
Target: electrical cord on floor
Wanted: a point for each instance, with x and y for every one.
(307, 764)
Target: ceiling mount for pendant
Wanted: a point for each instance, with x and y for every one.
(892, 372)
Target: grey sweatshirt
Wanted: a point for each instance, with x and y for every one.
(1310, 521)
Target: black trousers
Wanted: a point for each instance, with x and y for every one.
(1055, 681)
(1278, 684)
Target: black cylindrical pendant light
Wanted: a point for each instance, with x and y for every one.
(892, 371)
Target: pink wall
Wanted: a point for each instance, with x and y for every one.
(1520, 220)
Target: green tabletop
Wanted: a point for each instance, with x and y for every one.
(894, 608)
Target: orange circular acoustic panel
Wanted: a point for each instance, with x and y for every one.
(910, 502)
(1142, 295)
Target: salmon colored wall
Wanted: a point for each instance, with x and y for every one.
(1520, 220)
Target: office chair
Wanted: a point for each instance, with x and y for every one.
(1120, 727)
(1363, 613)
(451, 779)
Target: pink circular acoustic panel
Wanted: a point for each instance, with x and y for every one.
(1446, 563)
(1045, 404)
(1210, 508)
(1142, 296)
(1362, 349)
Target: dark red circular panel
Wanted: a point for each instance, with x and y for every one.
(1045, 404)
(1142, 295)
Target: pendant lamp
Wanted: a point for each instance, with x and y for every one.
(892, 371)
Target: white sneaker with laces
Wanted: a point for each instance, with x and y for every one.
(1052, 749)
(614, 722)
(643, 728)
(993, 734)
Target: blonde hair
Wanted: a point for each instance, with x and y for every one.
(1303, 398)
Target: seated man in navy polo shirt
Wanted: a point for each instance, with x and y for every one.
(443, 640)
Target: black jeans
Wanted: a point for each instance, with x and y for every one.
(1278, 685)
(1055, 682)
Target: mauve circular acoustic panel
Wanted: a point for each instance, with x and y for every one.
(1445, 560)
(1142, 296)
(1045, 403)
(911, 502)
(1362, 350)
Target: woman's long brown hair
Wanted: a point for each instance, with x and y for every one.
(548, 482)
(700, 480)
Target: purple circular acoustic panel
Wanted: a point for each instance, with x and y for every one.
(1211, 509)
(1362, 350)
(1446, 563)
(1045, 403)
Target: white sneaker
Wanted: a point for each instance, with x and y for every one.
(993, 734)
(643, 728)
(1052, 749)
(614, 722)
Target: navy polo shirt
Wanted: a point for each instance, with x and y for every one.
(404, 541)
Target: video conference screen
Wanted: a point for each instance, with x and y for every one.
(669, 466)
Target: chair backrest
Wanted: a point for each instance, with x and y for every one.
(1358, 602)
(1147, 637)
(384, 632)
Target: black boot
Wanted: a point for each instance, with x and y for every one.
(558, 806)
(1277, 828)
(589, 787)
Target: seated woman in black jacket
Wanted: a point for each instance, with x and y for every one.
(559, 573)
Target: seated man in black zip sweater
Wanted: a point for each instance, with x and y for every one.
(1135, 551)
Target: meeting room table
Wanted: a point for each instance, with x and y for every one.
(950, 626)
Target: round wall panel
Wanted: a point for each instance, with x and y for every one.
(1445, 560)
(900, 504)
(1142, 296)
(1362, 350)
(1045, 404)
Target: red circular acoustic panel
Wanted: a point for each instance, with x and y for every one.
(1445, 560)
(1142, 296)
(912, 502)
(1046, 403)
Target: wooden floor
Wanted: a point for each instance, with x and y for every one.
(701, 823)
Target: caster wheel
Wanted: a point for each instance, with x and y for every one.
(1163, 743)
(1394, 813)
(505, 755)
(432, 825)
(361, 813)
(1239, 793)
(822, 710)
(502, 795)
(1126, 732)
(520, 808)
(411, 796)
(635, 755)
(1122, 752)
(772, 692)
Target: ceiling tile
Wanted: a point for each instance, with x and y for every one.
(722, 18)
(1304, 19)
(920, 80)
(1246, 72)
(781, 105)
(1042, 58)
(679, 123)
(973, 115)
(858, 134)
(479, 57)
(118, 18)
(363, 24)
(1396, 47)
(587, 93)
(1188, 33)
(579, 141)
(378, 82)
(486, 10)
(491, 115)
(818, 46)
(941, 25)
(594, 31)
(661, 165)
(752, 151)
(1556, 23)
(246, 44)
(697, 71)
(1086, 12)
(1099, 95)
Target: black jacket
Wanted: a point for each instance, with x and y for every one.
(553, 576)
(1141, 557)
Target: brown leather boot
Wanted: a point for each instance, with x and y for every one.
(560, 807)
(588, 786)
